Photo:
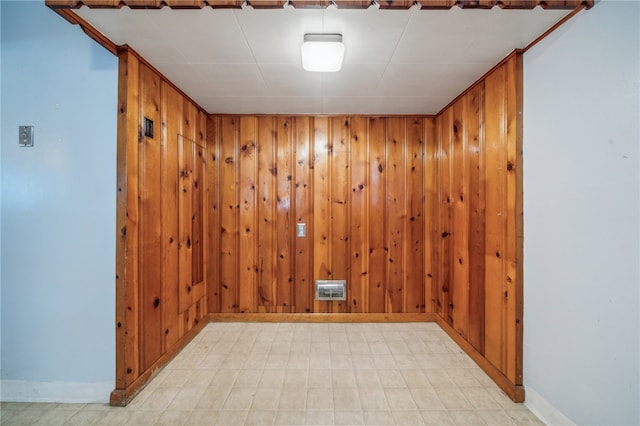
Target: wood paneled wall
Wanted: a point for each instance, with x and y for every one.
(161, 222)
(358, 183)
(418, 214)
(476, 225)
(421, 215)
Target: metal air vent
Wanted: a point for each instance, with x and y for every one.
(331, 290)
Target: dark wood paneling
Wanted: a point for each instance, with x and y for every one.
(479, 178)
(415, 219)
(161, 289)
(150, 208)
(356, 182)
(303, 178)
(377, 215)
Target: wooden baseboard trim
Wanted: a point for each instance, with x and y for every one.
(332, 318)
(121, 397)
(513, 391)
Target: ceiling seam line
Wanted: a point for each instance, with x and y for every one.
(397, 43)
(253, 55)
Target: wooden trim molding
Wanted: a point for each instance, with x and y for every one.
(89, 30)
(322, 318)
(314, 4)
(120, 397)
(513, 391)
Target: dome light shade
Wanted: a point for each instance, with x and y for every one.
(322, 52)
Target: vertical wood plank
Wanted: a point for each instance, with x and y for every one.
(304, 214)
(199, 164)
(185, 198)
(229, 206)
(284, 214)
(460, 230)
(213, 209)
(247, 215)
(415, 218)
(198, 222)
(514, 231)
(396, 212)
(186, 152)
(202, 160)
(321, 206)
(150, 196)
(377, 214)
(445, 214)
(340, 182)
(358, 280)
(475, 151)
(267, 171)
(127, 218)
(171, 126)
(432, 239)
(495, 129)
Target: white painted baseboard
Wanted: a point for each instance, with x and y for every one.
(544, 410)
(69, 392)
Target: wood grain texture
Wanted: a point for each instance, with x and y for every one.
(377, 215)
(267, 171)
(358, 279)
(396, 213)
(160, 258)
(356, 182)
(474, 103)
(284, 214)
(171, 127)
(127, 284)
(213, 231)
(479, 175)
(303, 247)
(413, 265)
(229, 207)
(460, 217)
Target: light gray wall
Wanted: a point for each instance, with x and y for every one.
(581, 196)
(58, 209)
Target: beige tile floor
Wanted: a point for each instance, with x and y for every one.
(297, 374)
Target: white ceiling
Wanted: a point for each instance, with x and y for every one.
(246, 61)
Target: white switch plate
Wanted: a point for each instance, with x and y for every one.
(301, 230)
(25, 135)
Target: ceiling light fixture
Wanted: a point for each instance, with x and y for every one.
(322, 52)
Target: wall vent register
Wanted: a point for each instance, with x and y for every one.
(331, 290)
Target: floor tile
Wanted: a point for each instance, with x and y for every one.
(260, 417)
(286, 418)
(373, 398)
(171, 418)
(293, 398)
(320, 399)
(378, 418)
(266, 399)
(239, 399)
(348, 418)
(467, 418)
(426, 399)
(294, 374)
(232, 418)
(319, 417)
(407, 418)
(400, 399)
(346, 399)
(202, 418)
(436, 418)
